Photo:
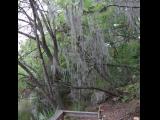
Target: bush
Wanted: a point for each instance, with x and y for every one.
(133, 91)
(25, 110)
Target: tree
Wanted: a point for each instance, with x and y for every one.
(77, 49)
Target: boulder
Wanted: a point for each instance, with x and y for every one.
(98, 97)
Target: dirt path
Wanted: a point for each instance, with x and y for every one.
(115, 111)
(120, 111)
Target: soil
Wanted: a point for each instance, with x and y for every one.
(121, 111)
(117, 111)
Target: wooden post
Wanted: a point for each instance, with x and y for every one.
(59, 115)
(100, 116)
(136, 118)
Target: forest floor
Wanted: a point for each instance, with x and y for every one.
(117, 111)
(121, 111)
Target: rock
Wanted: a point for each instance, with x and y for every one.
(98, 97)
(75, 97)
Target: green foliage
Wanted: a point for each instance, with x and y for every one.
(63, 3)
(21, 84)
(87, 4)
(60, 19)
(24, 110)
(128, 53)
(132, 90)
(45, 115)
(104, 19)
(101, 83)
(25, 116)
(78, 106)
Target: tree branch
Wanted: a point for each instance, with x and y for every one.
(25, 21)
(122, 65)
(123, 6)
(26, 69)
(21, 57)
(98, 89)
(90, 88)
(36, 17)
(22, 74)
(25, 13)
(27, 35)
(113, 5)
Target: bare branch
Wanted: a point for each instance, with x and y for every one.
(122, 65)
(25, 21)
(31, 68)
(39, 26)
(26, 69)
(89, 88)
(35, 14)
(27, 35)
(123, 6)
(99, 89)
(25, 13)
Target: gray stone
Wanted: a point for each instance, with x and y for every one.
(98, 97)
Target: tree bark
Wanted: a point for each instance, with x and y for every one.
(53, 58)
